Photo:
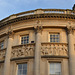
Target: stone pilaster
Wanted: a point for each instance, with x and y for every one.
(65, 67)
(38, 30)
(71, 50)
(8, 53)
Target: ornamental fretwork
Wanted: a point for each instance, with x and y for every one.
(22, 51)
(52, 49)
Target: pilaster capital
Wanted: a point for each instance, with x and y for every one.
(10, 32)
(38, 27)
(70, 28)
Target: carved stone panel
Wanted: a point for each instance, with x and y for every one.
(22, 51)
(54, 49)
(2, 54)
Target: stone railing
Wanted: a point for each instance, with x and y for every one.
(59, 11)
(54, 49)
(22, 51)
(40, 11)
(2, 54)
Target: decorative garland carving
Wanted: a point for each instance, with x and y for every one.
(22, 51)
(54, 49)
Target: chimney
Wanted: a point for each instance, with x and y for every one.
(73, 8)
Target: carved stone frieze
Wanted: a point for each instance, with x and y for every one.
(22, 51)
(54, 49)
(2, 54)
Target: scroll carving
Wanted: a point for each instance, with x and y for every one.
(54, 49)
(22, 51)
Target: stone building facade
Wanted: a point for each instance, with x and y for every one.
(38, 42)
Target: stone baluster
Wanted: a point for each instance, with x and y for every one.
(8, 54)
(38, 30)
(71, 51)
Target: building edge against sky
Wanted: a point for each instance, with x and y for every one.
(38, 42)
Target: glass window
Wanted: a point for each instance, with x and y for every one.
(22, 69)
(2, 45)
(25, 39)
(54, 37)
(55, 69)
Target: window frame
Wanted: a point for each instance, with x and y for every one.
(23, 39)
(1, 45)
(55, 63)
(53, 33)
(21, 63)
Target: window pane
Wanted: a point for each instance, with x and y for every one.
(25, 39)
(54, 37)
(22, 69)
(1, 45)
(55, 69)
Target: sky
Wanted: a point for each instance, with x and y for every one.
(9, 7)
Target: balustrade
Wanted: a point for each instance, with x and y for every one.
(43, 11)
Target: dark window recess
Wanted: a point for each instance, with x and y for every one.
(32, 41)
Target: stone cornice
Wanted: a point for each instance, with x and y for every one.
(54, 43)
(28, 28)
(48, 56)
(23, 45)
(29, 57)
(38, 16)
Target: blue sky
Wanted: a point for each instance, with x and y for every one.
(9, 7)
